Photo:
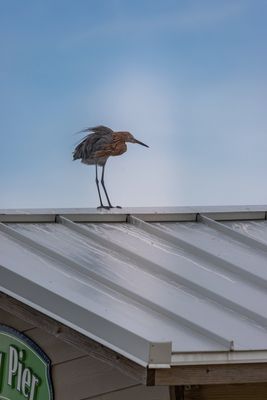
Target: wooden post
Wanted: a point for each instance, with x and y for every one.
(176, 392)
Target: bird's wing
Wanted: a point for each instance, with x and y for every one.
(92, 143)
(100, 130)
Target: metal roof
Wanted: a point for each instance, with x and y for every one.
(160, 286)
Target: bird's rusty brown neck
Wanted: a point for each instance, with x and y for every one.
(118, 145)
(119, 137)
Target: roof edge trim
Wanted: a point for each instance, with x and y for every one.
(149, 214)
(222, 357)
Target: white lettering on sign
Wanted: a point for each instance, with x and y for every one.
(26, 382)
(12, 365)
(19, 370)
(34, 385)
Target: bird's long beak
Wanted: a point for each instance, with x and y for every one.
(143, 144)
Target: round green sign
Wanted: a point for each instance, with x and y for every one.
(25, 370)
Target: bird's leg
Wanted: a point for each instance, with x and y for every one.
(98, 189)
(103, 184)
(105, 190)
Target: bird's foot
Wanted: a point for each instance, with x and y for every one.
(105, 207)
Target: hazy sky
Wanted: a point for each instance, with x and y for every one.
(186, 77)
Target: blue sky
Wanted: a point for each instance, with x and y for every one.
(186, 77)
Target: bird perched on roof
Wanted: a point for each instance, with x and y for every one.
(101, 143)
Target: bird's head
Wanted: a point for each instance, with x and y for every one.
(128, 137)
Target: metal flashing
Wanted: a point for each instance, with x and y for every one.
(232, 357)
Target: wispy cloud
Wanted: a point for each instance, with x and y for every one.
(194, 17)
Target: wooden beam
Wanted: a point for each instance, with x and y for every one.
(76, 339)
(211, 374)
(252, 391)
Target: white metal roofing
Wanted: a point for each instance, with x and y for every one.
(178, 288)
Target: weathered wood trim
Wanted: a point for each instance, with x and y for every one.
(251, 391)
(211, 374)
(150, 378)
(76, 339)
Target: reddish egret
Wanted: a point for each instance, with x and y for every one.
(97, 147)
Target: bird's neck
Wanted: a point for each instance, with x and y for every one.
(118, 137)
(118, 144)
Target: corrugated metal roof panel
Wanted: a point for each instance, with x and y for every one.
(254, 229)
(133, 284)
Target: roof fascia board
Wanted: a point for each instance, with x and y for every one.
(211, 374)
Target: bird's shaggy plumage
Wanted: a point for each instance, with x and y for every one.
(96, 147)
(95, 141)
